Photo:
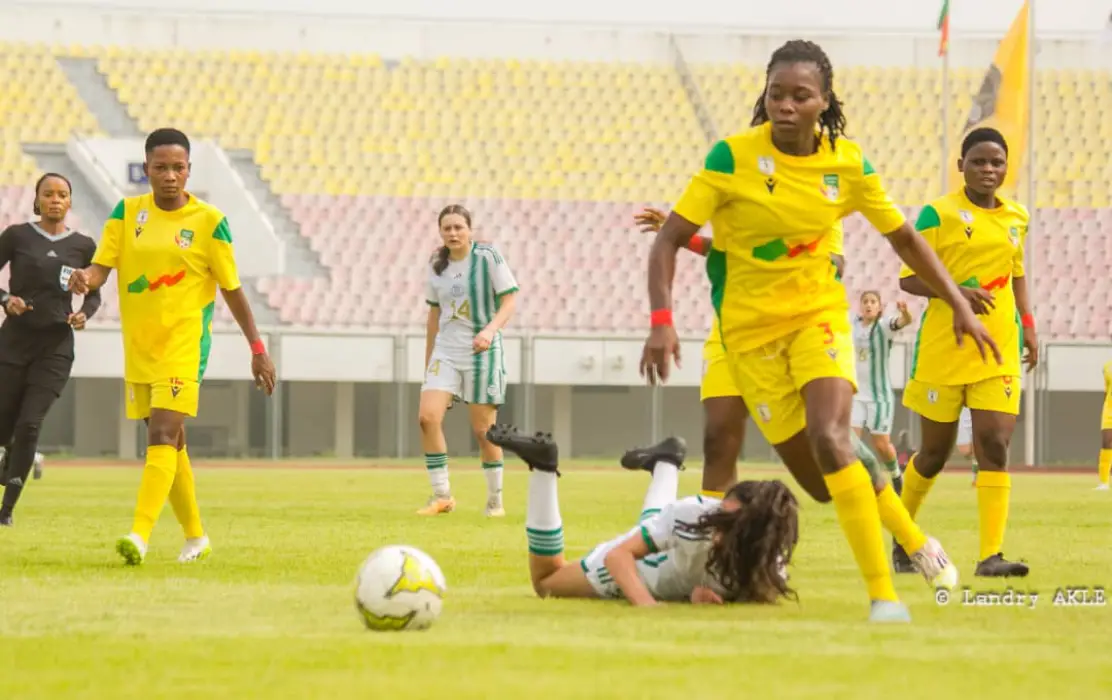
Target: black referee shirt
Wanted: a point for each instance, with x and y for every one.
(41, 266)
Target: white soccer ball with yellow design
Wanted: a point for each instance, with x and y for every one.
(399, 588)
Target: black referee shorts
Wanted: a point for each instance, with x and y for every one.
(35, 357)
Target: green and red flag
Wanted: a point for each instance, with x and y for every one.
(944, 28)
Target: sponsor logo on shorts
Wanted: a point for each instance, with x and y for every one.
(1007, 387)
(932, 396)
(176, 385)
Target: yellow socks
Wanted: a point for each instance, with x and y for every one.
(915, 488)
(993, 492)
(722, 494)
(158, 477)
(1105, 465)
(856, 504)
(183, 498)
(897, 520)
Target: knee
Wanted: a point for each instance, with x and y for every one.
(163, 433)
(480, 432)
(541, 589)
(831, 445)
(429, 420)
(930, 459)
(994, 449)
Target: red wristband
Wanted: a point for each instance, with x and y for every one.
(1028, 321)
(258, 348)
(661, 317)
(697, 244)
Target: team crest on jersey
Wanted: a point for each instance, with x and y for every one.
(830, 186)
(64, 276)
(766, 165)
(1013, 235)
(184, 239)
(140, 219)
(457, 290)
(966, 216)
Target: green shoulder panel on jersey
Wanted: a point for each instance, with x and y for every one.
(868, 168)
(222, 232)
(720, 159)
(118, 212)
(928, 218)
(490, 251)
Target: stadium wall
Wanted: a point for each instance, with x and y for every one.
(356, 395)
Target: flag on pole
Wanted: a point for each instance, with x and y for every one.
(1002, 101)
(944, 28)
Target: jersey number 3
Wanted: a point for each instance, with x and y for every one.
(462, 311)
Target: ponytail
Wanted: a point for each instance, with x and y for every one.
(440, 261)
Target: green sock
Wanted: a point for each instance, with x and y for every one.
(893, 467)
(872, 465)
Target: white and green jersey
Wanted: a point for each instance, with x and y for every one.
(677, 562)
(468, 293)
(872, 346)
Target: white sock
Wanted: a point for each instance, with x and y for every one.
(437, 466)
(493, 473)
(662, 489)
(543, 527)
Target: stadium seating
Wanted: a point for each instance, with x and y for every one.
(553, 159)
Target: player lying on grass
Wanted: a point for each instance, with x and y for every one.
(696, 549)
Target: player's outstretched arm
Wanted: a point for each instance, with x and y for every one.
(918, 256)
(651, 219)
(663, 343)
(261, 366)
(621, 562)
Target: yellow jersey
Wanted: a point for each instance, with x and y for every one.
(775, 227)
(168, 265)
(979, 248)
(1108, 378)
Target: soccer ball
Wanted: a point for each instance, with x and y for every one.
(399, 588)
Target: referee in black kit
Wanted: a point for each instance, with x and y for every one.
(36, 340)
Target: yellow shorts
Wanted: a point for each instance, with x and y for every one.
(178, 395)
(772, 377)
(943, 404)
(717, 382)
(1106, 414)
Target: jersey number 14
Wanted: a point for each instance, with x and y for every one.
(461, 311)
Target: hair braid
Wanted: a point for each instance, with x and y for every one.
(832, 121)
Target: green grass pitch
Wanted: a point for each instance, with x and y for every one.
(270, 614)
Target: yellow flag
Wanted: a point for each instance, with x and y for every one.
(1002, 101)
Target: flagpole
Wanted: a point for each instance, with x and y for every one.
(1029, 422)
(946, 111)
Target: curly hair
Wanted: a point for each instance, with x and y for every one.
(832, 121)
(753, 545)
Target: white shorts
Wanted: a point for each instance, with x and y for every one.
(965, 427)
(481, 380)
(872, 416)
(594, 566)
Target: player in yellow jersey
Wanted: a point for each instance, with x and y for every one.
(724, 411)
(979, 236)
(170, 251)
(1106, 431)
(773, 194)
